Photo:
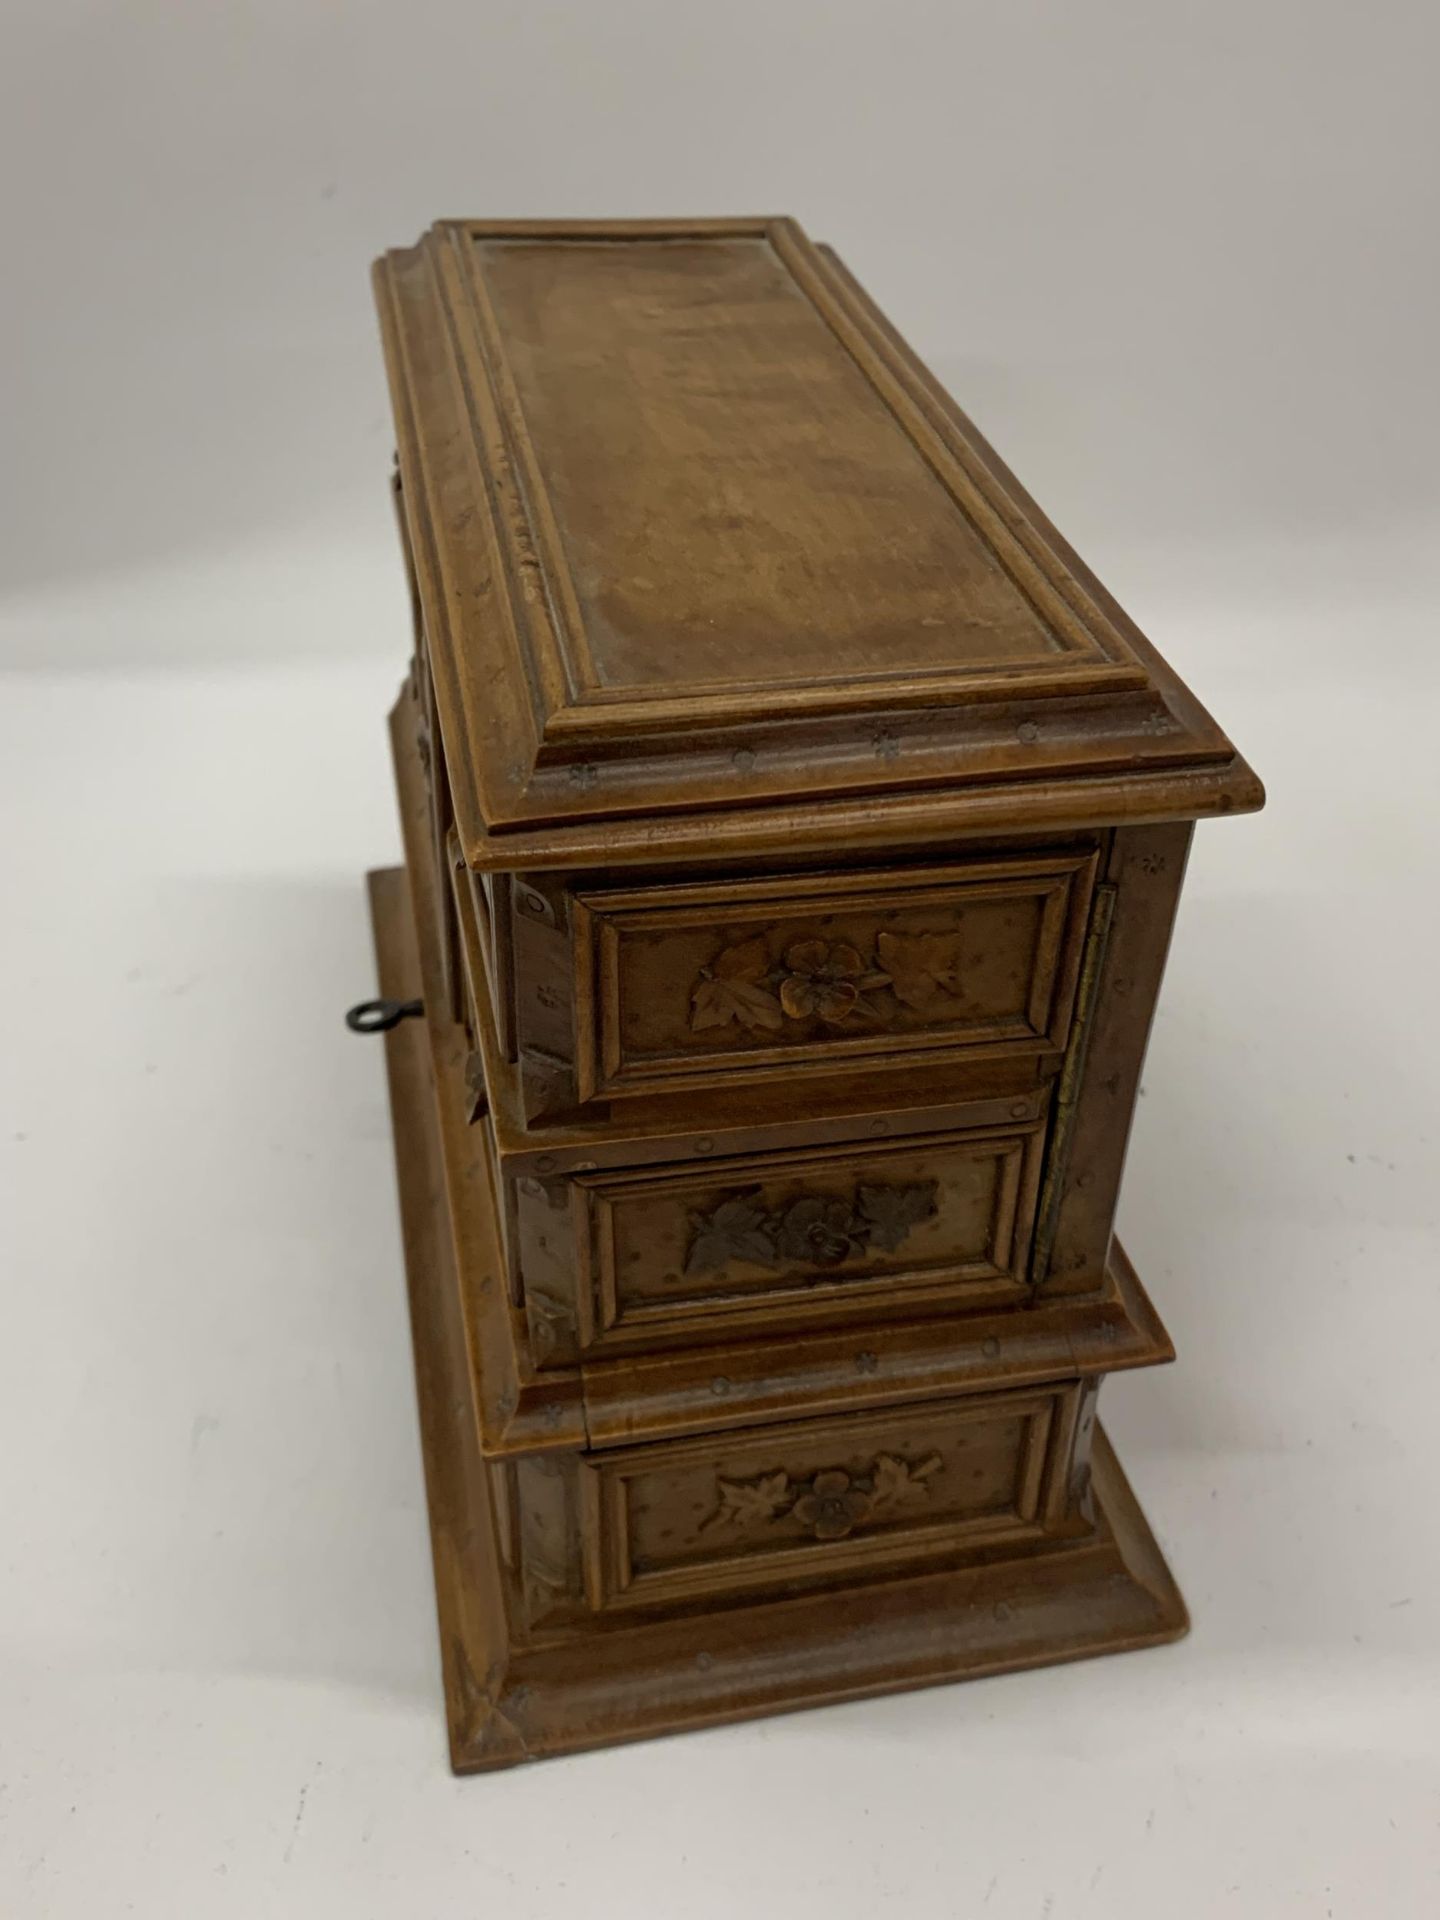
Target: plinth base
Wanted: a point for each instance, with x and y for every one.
(508, 1702)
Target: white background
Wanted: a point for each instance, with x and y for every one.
(1179, 262)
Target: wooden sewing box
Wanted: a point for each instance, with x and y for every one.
(793, 831)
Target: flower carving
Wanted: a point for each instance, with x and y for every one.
(833, 1506)
(825, 981)
(833, 1502)
(820, 1231)
(810, 1230)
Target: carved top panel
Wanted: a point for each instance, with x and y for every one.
(725, 478)
(692, 528)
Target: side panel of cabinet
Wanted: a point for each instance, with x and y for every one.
(1101, 1081)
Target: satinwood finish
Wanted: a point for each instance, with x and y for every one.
(794, 829)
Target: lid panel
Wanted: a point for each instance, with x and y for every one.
(700, 549)
(736, 504)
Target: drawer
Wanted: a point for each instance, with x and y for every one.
(812, 1502)
(694, 986)
(733, 1247)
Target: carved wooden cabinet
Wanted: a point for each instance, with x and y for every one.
(793, 832)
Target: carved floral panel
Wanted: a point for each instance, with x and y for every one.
(943, 1217)
(832, 1502)
(831, 981)
(812, 1229)
(885, 1488)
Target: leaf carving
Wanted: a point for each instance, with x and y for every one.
(899, 1483)
(832, 1502)
(738, 1229)
(815, 979)
(743, 1502)
(807, 1230)
(733, 987)
(824, 980)
(892, 1213)
(750, 960)
(923, 967)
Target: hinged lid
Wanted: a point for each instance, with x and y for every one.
(705, 557)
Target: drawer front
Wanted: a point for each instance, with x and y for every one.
(729, 1248)
(687, 986)
(825, 1500)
